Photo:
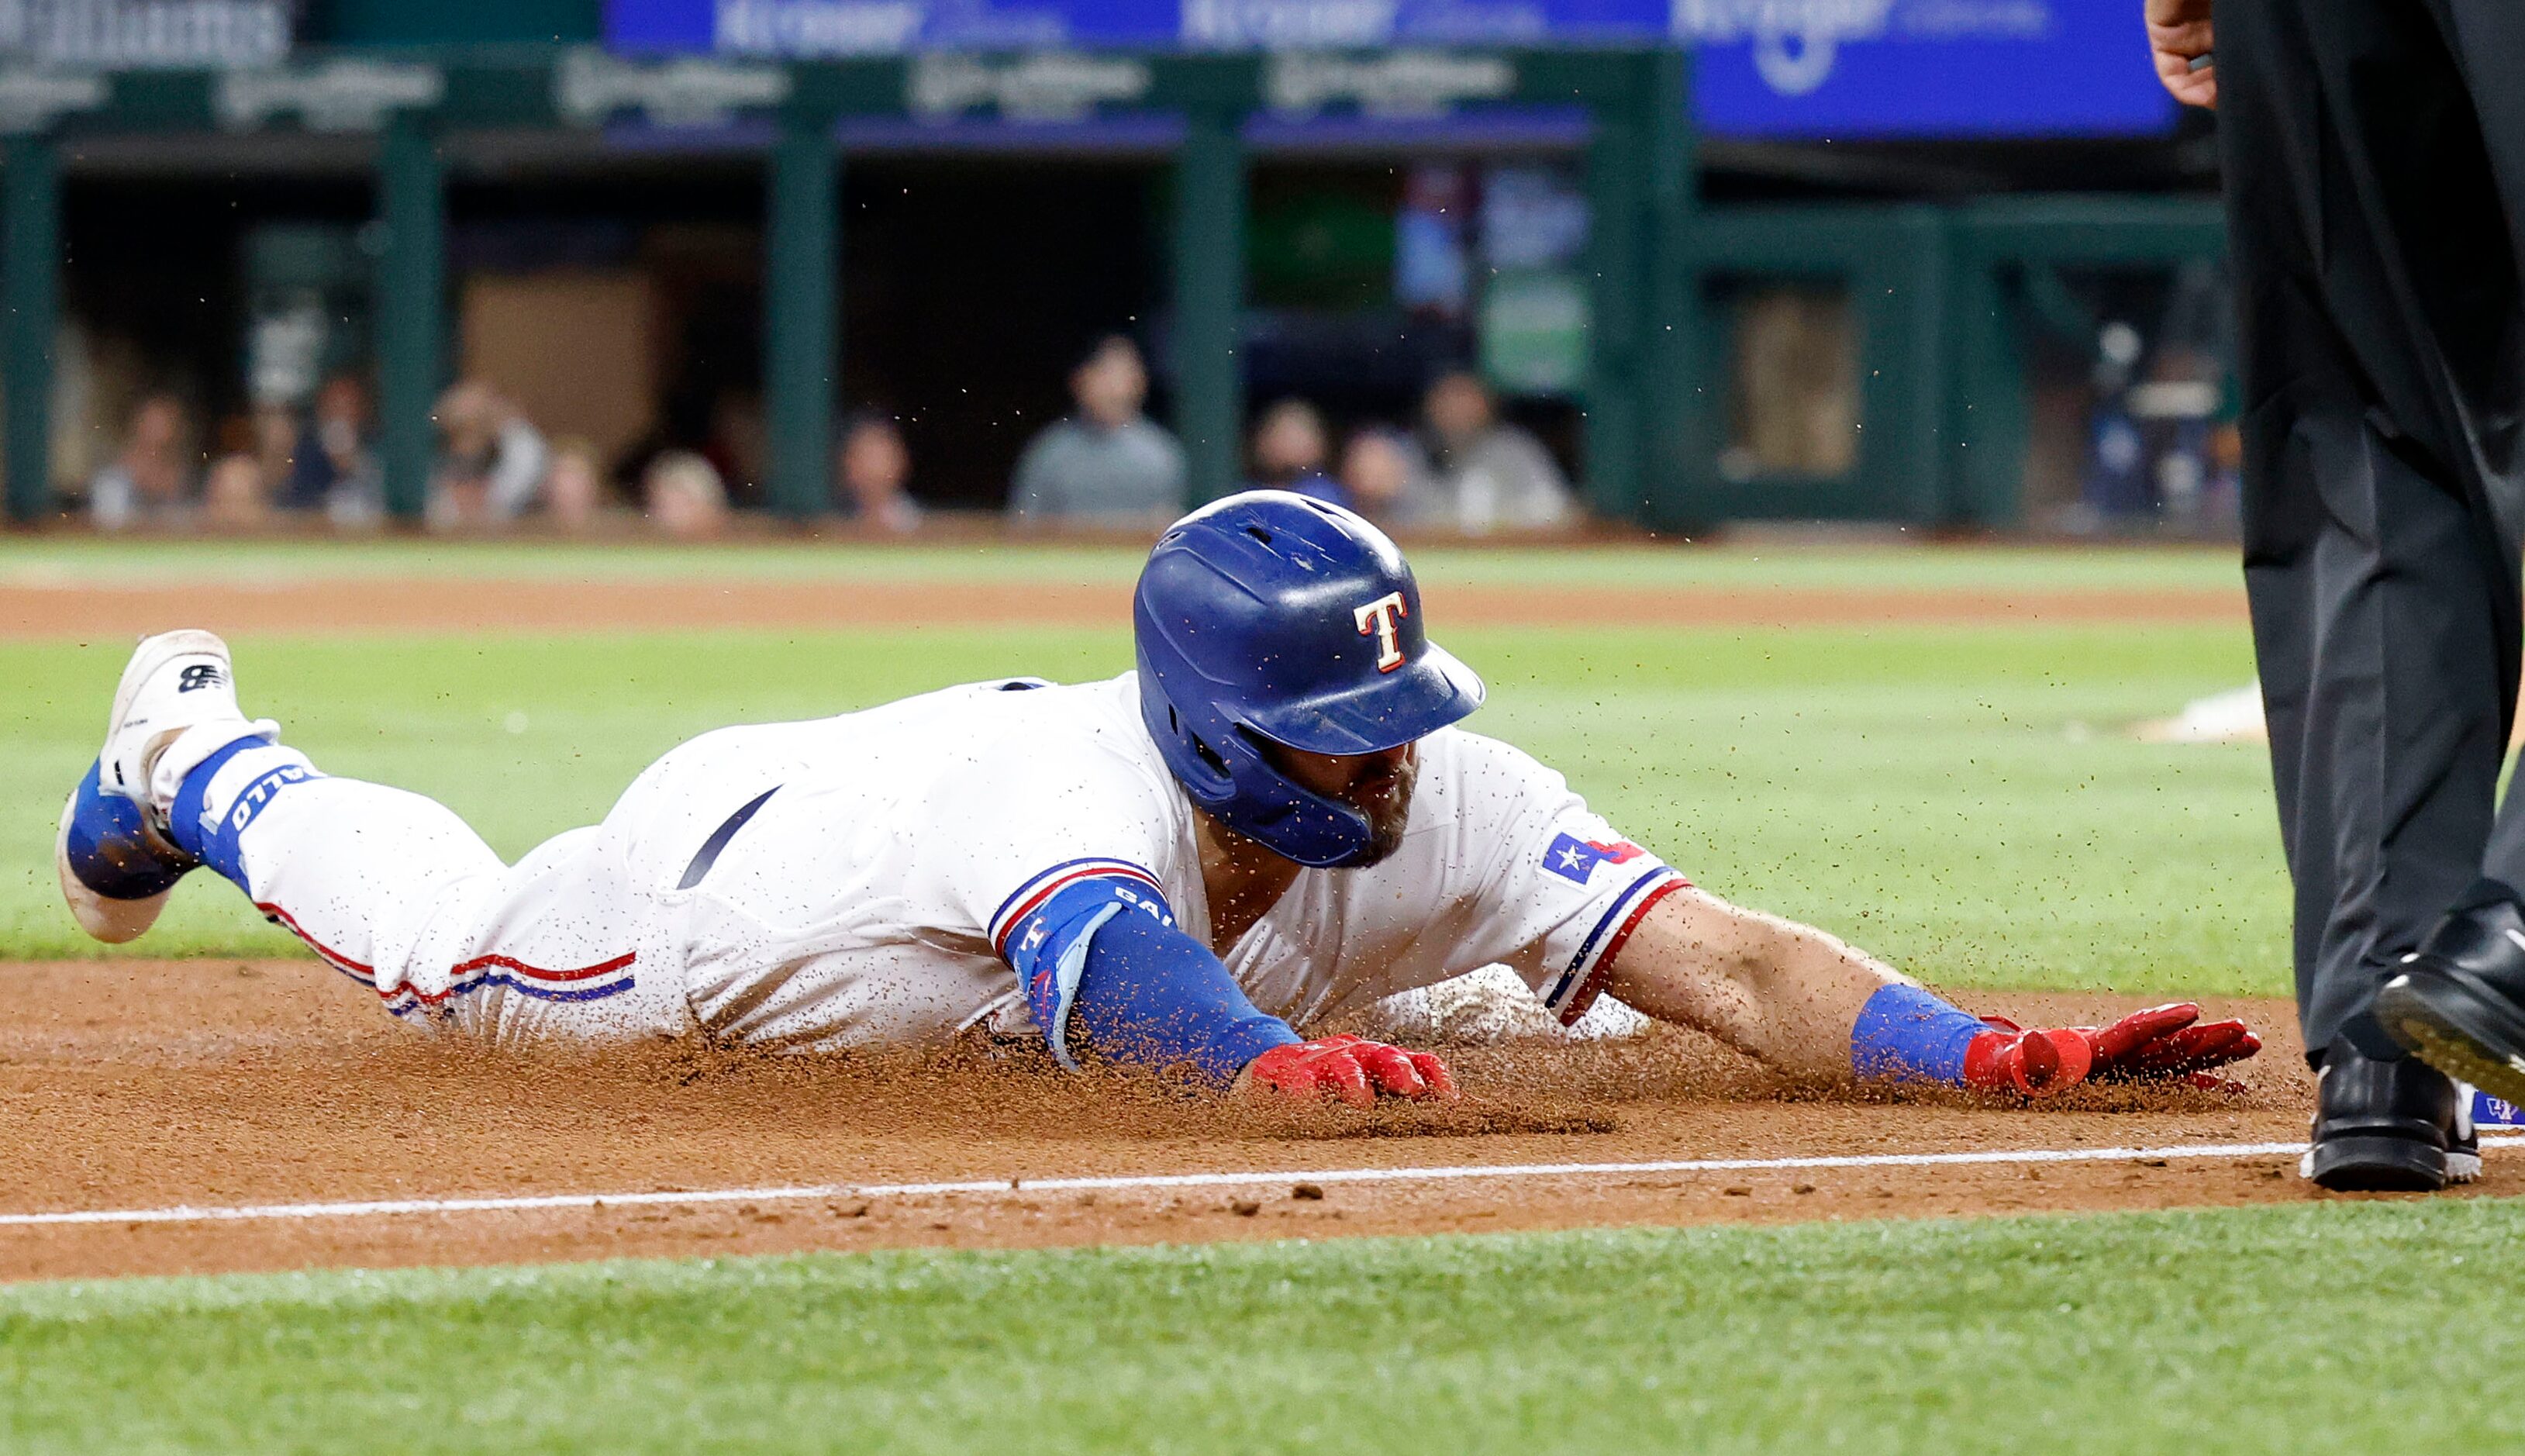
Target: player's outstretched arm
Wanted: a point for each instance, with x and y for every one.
(1106, 971)
(1812, 1006)
(1785, 992)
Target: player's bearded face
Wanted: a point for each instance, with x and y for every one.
(1376, 784)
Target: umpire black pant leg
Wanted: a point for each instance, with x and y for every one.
(2490, 46)
(2380, 314)
(2385, 714)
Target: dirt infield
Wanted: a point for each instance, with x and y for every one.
(131, 1084)
(348, 607)
(137, 1085)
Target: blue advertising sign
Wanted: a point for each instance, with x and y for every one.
(1289, 25)
(811, 30)
(1764, 67)
(848, 27)
(1922, 68)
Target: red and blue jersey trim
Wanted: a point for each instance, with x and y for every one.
(1030, 897)
(594, 983)
(1576, 989)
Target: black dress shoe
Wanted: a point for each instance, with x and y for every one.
(2458, 1002)
(2388, 1126)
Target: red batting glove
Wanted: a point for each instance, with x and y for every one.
(2167, 1043)
(2163, 1043)
(2008, 1058)
(1353, 1069)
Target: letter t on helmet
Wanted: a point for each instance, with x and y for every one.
(1274, 618)
(1381, 617)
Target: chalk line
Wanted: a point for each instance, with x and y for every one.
(527, 1203)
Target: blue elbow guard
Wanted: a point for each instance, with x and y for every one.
(1105, 956)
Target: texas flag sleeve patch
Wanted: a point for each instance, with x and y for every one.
(1575, 860)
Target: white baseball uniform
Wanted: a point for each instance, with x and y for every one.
(848, 880)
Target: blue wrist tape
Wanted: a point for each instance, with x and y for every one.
(214, 842)
(1905, 1035)
(1103, 957)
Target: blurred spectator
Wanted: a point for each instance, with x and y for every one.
(2226, 468)
(1105, 464)
(2176, 408)
(1289, 451)
(235, 495)
(333, 470)
(2116, 482)
(146, 483)
(492, 460)
(273, 433)
(1489, 474)
(738, 445)
(574, 487)
(1387, 479)
(874, 468)
(684, 496)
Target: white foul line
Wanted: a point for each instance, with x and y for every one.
(376, 1208)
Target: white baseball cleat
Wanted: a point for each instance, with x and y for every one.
(112, 855)
(174, 680)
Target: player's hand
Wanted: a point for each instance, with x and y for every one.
(2178, 37)
(1353, 1069)
(2008, 1058)
(2163, 1043)
(2167, 1043)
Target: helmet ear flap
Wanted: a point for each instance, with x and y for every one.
(1208, 755)
(1285, 815)
(1200, 745)
(1202, 770)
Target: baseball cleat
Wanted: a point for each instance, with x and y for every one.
(112, 856)
(2458, 1002)
(2389, 1127)
(174, 680)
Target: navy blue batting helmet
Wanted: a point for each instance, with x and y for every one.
(1273, 617)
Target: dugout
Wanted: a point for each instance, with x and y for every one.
(415, 116)
(422, 148)
(1942, 304)
(614, 295)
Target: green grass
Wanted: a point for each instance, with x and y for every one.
(2324, 1328)
(1961, 800)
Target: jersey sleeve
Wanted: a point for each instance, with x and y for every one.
(1023, 822)
(1550, 889)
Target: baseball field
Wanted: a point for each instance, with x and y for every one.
(239, 1207)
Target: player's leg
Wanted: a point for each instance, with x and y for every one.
(2378, 296)
(390, 887)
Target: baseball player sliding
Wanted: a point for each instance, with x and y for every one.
(1273, 821)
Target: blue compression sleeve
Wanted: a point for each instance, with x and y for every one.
(214, 842)
(1905, 1035)
(1103, 957)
